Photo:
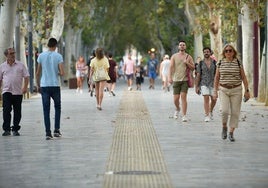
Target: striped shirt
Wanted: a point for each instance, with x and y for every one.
(229, 72)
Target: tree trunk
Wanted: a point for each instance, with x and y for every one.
(58, 20)
(215, 34)
(247, 34)
(198, 46)
(7, 26)
(78, 43)
(68, 61)
(198, 38)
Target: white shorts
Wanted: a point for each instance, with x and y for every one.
(207, 90)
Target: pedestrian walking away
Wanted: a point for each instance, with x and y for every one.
(99, 67)
(91, 85)
(204, 82)
(14, 79)
(50, 67)
(112, 74)
(228, 82)
(178, 77)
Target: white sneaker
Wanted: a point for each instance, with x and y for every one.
(77, 90)
(81, 91)
(211, 115)
(176, 114)
(207, 119)
(184, 119)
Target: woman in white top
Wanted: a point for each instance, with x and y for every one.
(164, 70)
(81, 69)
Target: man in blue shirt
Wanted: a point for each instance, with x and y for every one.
(152, 70)
(50, 67)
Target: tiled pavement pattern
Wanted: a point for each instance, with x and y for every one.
(136, 158)
(190, 154)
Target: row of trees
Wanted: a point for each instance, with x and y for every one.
(82, 25)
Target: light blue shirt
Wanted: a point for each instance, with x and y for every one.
(50, 61)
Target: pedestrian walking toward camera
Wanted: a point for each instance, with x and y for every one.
(228, 79)
(178, 77)
(81, 72)
(14, 79)
(139, 77)
(152, 69)
(99, 67)
(50, 67)
(164, 72)
(204, 82)
(129, 70)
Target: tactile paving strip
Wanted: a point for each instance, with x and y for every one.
(135, 159)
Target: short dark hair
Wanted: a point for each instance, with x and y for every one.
(181, 41)
(52, 42)
(94, 53)
(110, 55)
(207, 48)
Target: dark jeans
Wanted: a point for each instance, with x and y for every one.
(10, 101)
(54, 93)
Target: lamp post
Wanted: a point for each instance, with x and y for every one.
(30, 45)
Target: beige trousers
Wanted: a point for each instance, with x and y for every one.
(231, 105)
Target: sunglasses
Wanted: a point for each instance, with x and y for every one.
(230, 50)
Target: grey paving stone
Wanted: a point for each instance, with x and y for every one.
(194, 153)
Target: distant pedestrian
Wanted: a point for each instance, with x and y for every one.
(152, 68)
(91, 85)
(228, 79)
(204, 82)
(177, 75)
(129, 70)
(50, 67)
(14, 79)
(81, 73)
(164, 72)
(120, 72)
(99, 64)
(112, 74)
(139, 76)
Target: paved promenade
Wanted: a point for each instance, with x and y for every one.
(134, 143)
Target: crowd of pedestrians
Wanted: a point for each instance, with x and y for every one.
(213, 79)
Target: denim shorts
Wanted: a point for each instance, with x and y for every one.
(152, 74)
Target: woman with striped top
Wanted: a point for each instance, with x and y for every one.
(228, 79)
